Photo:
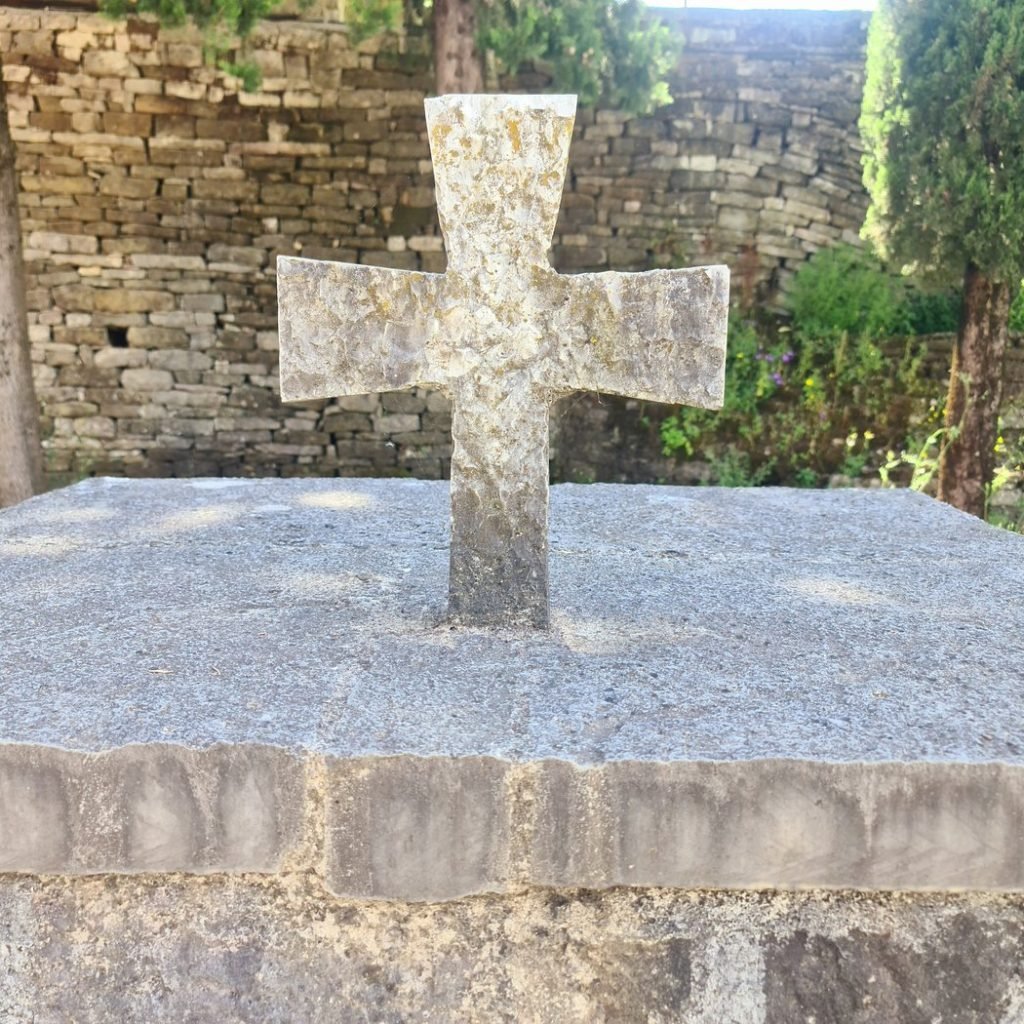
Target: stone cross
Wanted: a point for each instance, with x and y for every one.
(502, 335)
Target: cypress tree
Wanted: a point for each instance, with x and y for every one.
(943, 127)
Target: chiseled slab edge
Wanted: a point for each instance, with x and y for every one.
(439, 828)
(152, 807)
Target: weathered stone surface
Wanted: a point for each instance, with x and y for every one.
(866, 976)
(795, 696)
(150, 808)
(168, 949)
(503, 334)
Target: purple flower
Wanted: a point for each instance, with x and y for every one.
(769, 358)
(777, 377)
(787, 357)
(759, 355)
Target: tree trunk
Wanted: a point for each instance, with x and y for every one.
(458, 66)
(975, 391)
(21, 470)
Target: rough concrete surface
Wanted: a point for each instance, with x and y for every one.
(740, 688)
(502, 335)
(240, 950)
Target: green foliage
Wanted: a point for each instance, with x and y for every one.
(819, 396)
(1017, 312)
(939, 312)
(933, 312)
(613, 51)
(610, 51)
(735, 468)
(923, 459)
(843, 290)
(834, 391)
(367, 18)
(247, 73)
(1009, 471)
(941, 121)
(749, 384)
(222, 23)
(1012, 520)
(215, 18)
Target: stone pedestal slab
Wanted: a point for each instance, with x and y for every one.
(740, 689)
(239, 705)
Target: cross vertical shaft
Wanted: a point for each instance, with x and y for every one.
(499, 494)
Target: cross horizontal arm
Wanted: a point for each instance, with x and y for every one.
(658, 336)
(352, 330)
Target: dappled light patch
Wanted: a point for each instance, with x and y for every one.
(328, 584)
(607, 635)
(336, 499)
(45, 545)
(834, 591)
(192, 519)
(218, 483)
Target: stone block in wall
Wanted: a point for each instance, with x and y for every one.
(147, 380)
(108, 64)
(396, 423)
(178, 360)
(348, 423)
(42, 243)
(437, 422)
(741, 219)
(119, 357)
(403, 402)
(131, 300)
(568, 257)
(750, 186)
(95, 426)
(698, 181)
(395, 260)
(70, 410)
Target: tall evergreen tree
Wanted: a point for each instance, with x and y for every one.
(943, 126)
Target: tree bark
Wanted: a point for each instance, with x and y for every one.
(21, 469)
(458, 66)
(975, 392)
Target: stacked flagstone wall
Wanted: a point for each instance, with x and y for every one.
(156, 196)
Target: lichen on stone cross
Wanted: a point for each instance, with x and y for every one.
(503, 335)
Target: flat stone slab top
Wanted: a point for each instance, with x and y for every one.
(740, 688)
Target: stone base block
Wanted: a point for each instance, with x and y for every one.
(168, 949)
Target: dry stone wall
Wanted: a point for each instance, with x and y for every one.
(156, 197)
